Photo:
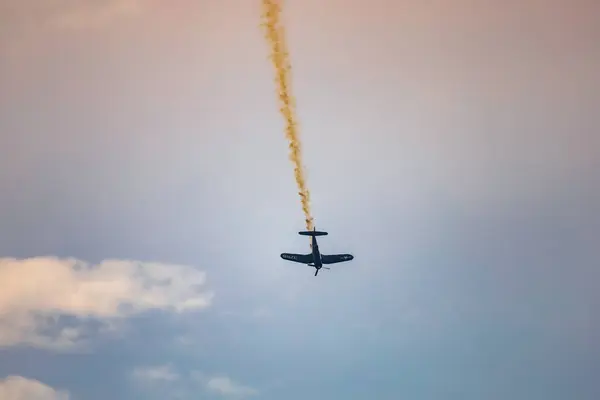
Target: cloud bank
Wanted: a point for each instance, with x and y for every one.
(19, 388)
(58, 303)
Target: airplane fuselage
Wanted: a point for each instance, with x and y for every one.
(317, 262)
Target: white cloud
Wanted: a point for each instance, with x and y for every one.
(19, 388)
(152, 374)
(223, 385)
(39, 292)
(226, 387)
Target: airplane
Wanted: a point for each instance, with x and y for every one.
(316, 259)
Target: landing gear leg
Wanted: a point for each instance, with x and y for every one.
(317, 271)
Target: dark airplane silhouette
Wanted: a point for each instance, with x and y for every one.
(316, 259)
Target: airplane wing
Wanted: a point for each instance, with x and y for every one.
(299, 258)
(336, 258)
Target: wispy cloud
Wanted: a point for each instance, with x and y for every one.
(20, 388)
(225, 386)
(167, 380)
(40, 292)
(153, 374)
(222, 385)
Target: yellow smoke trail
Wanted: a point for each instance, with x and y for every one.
(276, 36)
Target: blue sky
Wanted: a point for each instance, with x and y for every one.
(147, 195)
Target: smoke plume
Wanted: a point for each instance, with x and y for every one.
(275, 34)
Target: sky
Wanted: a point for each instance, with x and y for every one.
(451, 147)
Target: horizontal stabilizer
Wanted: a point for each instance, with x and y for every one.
(312, 233)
